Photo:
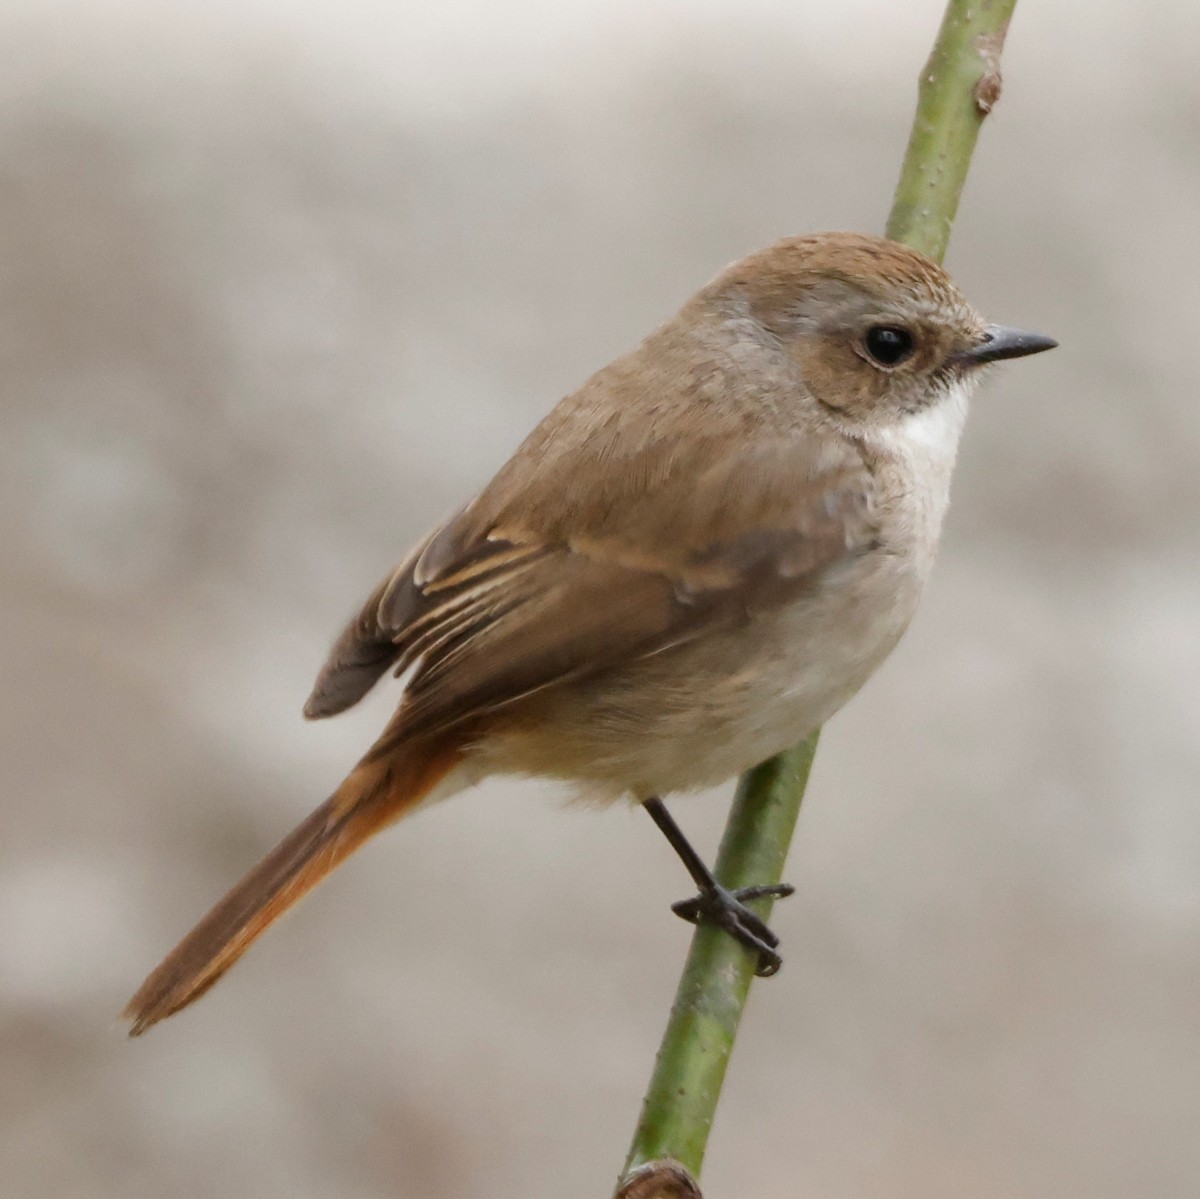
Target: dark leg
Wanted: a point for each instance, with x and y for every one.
(727, 909)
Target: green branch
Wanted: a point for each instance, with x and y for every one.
(958, 87)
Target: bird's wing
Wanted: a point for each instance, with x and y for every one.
(491, 607)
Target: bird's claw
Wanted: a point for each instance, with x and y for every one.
(727, 909)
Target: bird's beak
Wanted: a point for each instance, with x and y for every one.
(1001, 342)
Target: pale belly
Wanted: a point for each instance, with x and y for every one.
(697, 715)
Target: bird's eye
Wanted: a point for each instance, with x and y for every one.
(888, 345)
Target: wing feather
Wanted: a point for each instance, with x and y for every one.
(490, 612)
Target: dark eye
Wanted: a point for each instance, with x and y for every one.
(889, 345)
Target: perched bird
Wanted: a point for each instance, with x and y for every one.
(688, 566)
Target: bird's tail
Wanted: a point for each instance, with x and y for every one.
(380, 790)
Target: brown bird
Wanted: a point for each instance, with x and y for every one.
(689, 565)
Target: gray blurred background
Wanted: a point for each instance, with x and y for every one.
(280, 284)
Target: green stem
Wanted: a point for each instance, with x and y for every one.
(957, 89)
(679, 1105)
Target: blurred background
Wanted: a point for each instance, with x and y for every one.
(280, 284)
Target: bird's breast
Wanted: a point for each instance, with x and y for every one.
(696, 715)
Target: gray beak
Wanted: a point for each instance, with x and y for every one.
(1002, 342)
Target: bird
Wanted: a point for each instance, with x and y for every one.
(689, 565)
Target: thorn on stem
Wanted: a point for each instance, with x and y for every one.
(987, 91)
(990, 85)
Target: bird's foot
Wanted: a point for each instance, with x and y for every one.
(727, 909)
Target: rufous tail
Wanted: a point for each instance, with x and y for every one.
(377, 792)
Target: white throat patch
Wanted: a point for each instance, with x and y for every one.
(935, 430)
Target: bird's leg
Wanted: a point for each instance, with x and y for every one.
(722, 907)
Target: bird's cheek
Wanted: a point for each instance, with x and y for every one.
(839, 379)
